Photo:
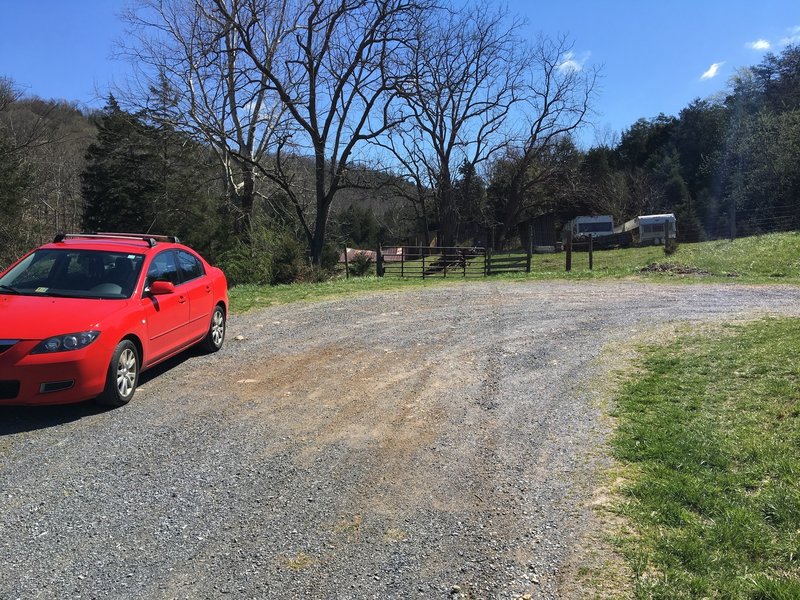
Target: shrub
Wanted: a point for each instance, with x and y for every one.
(360, 264)
(268, 257)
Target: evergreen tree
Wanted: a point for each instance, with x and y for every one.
(120, 182)
(359, 228)
(153, 179)
(677, 198)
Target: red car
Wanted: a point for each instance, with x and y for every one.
(81, 318)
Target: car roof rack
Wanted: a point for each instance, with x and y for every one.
(151, 240)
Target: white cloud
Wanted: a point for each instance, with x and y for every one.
(570, 63)
(794, 36)
(712, 71)
(759, 45)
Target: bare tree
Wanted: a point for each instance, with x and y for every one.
(42, 147)
(192, 75)
(557, 103)
(8, 93)
(333, 74)
(26, 134)
(645, 194)
(463, 78)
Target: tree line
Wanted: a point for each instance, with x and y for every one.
(269, 134)
(726, 164)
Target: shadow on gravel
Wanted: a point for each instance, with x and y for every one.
(18, 419)
(148, 376)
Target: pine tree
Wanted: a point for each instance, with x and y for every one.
(120, 184)
(151, 179)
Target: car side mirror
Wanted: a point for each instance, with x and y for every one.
(159, 288)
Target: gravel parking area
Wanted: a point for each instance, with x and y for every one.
(434, 443)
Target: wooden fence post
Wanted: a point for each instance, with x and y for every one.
(591, 251)
(346, 265)
(569, 250)
(530, 247)
(379, 271)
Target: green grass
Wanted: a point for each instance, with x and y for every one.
(773, 258)
(709, 435)
(248, 297)
(760, 259)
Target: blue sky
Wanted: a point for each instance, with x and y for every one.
(653, 54)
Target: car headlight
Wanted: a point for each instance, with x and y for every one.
(66, 342)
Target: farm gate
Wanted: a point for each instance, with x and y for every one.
(425, 262)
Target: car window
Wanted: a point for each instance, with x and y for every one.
(76, 273)
(33, 272)
(189, 266)
(163, 268)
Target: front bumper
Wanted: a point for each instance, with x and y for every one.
(57, 378)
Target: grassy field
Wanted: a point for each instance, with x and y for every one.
(709, 438)
(760, 259)
(248, 297)
(772, 258)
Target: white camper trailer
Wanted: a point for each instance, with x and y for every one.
(581, 227)
(649, 229)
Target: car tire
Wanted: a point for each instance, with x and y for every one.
(123, 375)
(216, 331)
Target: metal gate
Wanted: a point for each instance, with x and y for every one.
(425, 261)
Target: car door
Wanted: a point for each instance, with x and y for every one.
(198, 288)
(166, 315)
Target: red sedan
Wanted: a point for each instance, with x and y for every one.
(81, 317)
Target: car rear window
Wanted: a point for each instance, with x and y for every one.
(190, 266)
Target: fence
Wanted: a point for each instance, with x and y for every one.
(424, 261)
(507, 262)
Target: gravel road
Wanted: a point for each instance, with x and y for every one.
(435, 443)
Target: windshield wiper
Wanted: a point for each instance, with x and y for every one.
(8, 288)
(56, 294)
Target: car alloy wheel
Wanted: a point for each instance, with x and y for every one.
(123, 375)
(126, 373)
(217, 328)
(215, 336)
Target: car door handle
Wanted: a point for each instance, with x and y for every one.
(181, 299)
(208, 289)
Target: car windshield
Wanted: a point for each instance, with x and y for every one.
(74, 274)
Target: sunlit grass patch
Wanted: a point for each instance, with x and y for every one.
(773, 258)
(711, 431)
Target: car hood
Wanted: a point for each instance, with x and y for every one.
(38, 317)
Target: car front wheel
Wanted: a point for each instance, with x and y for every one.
(216, 331)
(123, 375)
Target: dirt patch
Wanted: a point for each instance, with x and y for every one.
(673, 268)
(435, 443)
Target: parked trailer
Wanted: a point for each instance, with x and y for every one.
(581, 227)
(648, 230)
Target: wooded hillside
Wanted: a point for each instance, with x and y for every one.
(270, 135)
